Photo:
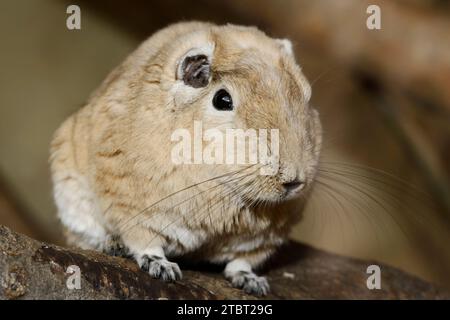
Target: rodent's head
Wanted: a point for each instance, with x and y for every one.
(235, 77)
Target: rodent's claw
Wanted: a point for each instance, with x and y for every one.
(251, 283)
(161, 268)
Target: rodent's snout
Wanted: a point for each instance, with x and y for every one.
(294, 185)
(292, 181)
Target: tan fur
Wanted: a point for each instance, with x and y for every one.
(119, 145)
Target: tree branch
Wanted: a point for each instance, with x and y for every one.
(33, 270)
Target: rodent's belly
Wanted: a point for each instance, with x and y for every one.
(212, 247)
(181, 240)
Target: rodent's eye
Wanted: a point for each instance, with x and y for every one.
(222, 101)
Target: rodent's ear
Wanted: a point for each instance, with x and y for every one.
(286, 46)
(195, 68)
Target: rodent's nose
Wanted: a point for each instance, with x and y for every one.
(294, 185)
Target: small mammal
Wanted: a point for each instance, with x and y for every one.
(116, 188)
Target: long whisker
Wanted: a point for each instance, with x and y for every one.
(329, 192)
(193, 197)
(378, 173)
(124, 223)
(221, 198)
(235, 191)
(381, 185)
(372, 198)
(355, 202)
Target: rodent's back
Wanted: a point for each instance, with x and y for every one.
(69, 146)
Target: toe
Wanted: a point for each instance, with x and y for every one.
(145, 263)
(177, 270)
(156, 270)
(167, 274)
(251, 283)
(165, 270)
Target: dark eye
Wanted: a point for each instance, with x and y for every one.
(222, 101)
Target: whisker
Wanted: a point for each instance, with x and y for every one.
(122, 224)
(355, 203)
(382, 186)
(220, 196)
(328, 190)
(391, 178)
(372, 198)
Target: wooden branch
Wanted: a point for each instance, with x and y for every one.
(33, 270)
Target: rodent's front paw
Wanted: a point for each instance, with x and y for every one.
(161, 268)
(250, 283)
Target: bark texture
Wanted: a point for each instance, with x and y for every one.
(30, 269)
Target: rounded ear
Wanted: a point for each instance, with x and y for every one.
(286, 45)
(194, 67)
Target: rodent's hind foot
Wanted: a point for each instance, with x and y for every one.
(115, 247)
(160, 268)
(250, 283)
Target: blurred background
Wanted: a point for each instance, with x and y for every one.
(383, 95)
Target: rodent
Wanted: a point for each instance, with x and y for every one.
(116, 189)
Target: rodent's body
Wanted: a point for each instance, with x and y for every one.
(111, 165)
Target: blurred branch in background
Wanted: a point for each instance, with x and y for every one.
(398, 115)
